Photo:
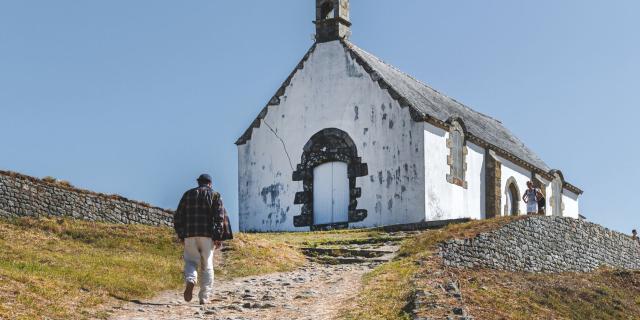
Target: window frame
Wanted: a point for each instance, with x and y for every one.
(457, 158)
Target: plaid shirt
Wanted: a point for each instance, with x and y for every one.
(200, 214)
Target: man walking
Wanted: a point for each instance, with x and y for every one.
(200, 225)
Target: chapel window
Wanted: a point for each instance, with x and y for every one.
(457, 155)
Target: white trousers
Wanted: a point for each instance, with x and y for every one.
(198, 251)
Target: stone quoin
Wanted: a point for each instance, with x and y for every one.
(350, 141)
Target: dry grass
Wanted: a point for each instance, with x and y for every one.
(491, 294)
(66, 269)
(62, 269)
(252, 254)
(387, 290)
(425, 243)
(385, 293)
(604, 294)
(327, 238)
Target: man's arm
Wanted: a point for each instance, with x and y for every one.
(218, 219)
(178, 218)
(218, 214)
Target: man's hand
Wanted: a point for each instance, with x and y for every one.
(217, 244)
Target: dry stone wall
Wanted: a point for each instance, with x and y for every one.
(545, 244)
(24, 196)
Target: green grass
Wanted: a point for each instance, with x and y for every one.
(66, 269)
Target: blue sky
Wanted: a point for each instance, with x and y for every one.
(139, 97)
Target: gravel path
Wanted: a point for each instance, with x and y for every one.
(316, 291)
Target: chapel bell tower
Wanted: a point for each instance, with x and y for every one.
(332, 20)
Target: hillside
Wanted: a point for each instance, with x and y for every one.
(417, 285)
(67, 269)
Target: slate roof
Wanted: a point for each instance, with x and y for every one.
(427, 101)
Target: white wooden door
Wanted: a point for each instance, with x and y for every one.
(330, 193)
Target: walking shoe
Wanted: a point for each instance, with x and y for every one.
(188, 291)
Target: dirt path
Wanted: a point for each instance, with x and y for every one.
(313, 292)
(316, 291)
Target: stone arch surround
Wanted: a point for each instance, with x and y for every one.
(511, 182)
(328, 145)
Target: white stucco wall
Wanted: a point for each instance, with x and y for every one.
(333, 91)
(570, 204)
(521, 176)
(444, 200)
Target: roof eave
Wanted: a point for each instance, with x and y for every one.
(275, 100)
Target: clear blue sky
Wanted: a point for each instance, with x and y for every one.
(139, 97)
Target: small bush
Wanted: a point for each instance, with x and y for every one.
(65, 183)
(49, 179)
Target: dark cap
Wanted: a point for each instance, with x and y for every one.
(204, 178)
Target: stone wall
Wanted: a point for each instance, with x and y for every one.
(544, 244)
(24, 196)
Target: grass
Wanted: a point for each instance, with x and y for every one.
(604, 294)
(252, 254)
(67, 269)
(491, 294)
(61, 268)
(328, 238)
(387, 290)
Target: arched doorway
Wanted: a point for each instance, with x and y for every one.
(328, 169)
(512, 198)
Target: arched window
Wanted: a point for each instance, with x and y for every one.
(326, 11)
(457, 155)
(512, 198)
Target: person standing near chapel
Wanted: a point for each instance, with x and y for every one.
(531, 197)
(201, 224)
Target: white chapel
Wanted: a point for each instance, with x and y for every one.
(349, 141)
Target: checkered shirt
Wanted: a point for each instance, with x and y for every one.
(200, 214)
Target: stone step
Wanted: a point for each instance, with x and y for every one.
(348, 260)
(367, 241)
(345, 252)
